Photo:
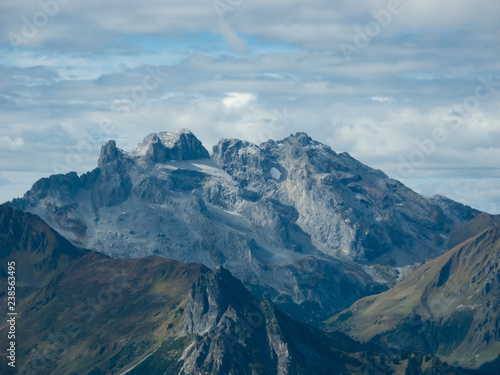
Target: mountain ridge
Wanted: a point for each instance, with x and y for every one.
(308, 228)
(449, 306)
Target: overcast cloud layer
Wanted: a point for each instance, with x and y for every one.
(409, 87)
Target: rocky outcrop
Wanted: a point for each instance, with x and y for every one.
(210, 297)
(109, 153)
(181, 145)
(234, 333)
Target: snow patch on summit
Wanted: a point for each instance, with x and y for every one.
(167, 138)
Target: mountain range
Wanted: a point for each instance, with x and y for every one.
(279, 258)
(310, 229)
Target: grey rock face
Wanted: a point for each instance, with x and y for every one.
(293, 220)
(235, 333)
(109, 153)
(209, 299)
(226, 318)
(181, 145)
(347, 207)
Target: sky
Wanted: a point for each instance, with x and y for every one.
(411, 87)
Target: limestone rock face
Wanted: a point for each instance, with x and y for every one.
(180, 145)
(109, 153)
(308, 228)
(229, 323)
(344, 205)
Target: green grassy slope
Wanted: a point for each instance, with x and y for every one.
(77, 309)
(449, 306)
(476, 226)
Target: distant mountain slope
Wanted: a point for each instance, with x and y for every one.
(477, 225)
(81, 312)
(308, 228)
(450, 306)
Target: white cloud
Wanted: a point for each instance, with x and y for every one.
(234, 100)
(233, 40)
(382, 99)
(6, 141)
(227, 78)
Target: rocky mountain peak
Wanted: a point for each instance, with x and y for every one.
(301, 146)
(179, 145)
(210, 297)
(300, 138)
(109, 153)
(228, 322)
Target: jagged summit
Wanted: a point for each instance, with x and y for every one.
(184, 145)
(300, 138)
(179, 145)
(158, 148)
(109, 153)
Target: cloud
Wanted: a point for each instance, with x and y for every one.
(6, 141)
(3, 181)
(233, 40)
(382, 99)
(234, 100)
(227, 78)
(316, 24)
